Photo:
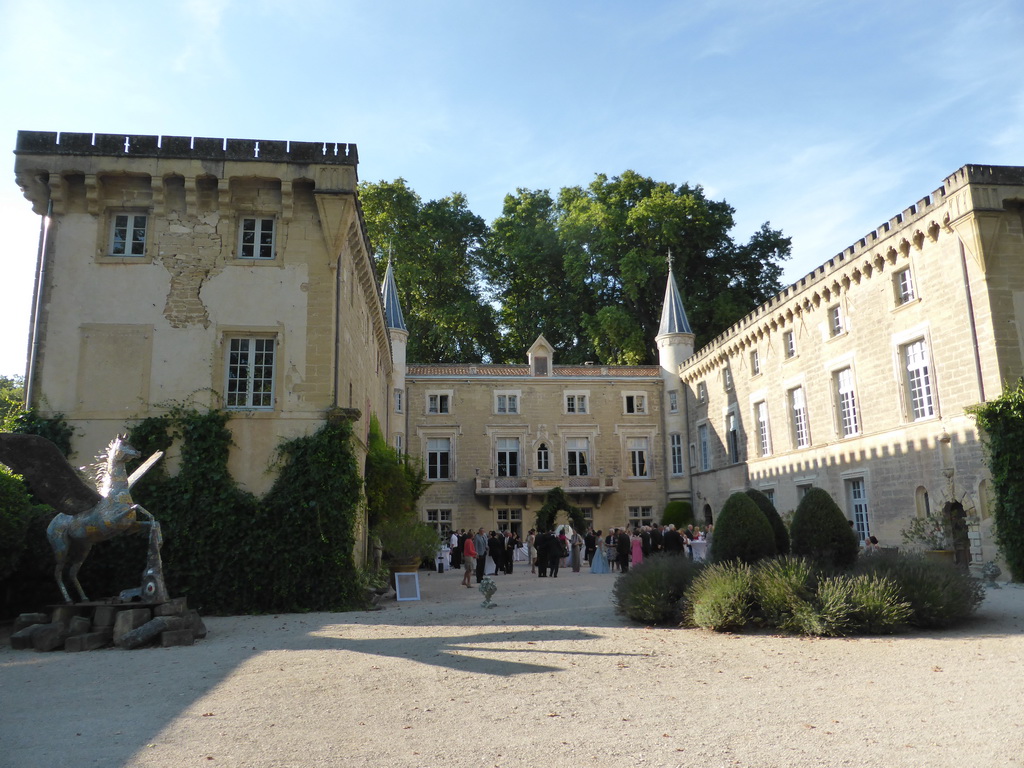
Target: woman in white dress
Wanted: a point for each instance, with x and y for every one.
(599, 564)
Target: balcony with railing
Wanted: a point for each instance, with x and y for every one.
(540, 484)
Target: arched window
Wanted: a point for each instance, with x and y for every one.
(543, 458)
(923, 504)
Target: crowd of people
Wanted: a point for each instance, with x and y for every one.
(561, 547)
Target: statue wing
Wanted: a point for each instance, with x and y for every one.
(47, 473)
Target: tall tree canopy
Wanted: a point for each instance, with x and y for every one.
(435, 248)
(588, 270)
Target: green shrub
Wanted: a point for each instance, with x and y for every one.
(782, 587)
(877, 606)
(939, 594)
(774, 519)
(720, 598)
(677, 513)
(651, 593)
(821, 531)
(742, 532)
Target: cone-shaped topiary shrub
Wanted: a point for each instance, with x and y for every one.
(774, 519)
(821, 531)
(742, 532)
(677, 513)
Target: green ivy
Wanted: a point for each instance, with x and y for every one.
(556, 500)
(1002, 424)
(226, 550)
(53, 428)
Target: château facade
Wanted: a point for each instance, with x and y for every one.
(238, 274)
(219, 273)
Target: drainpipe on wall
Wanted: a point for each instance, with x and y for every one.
(970, 321)
(37, 305)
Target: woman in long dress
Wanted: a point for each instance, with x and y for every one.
(636, 545)
(599, 563)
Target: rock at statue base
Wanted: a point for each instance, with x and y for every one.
(48, 637)
(175, 607)
(87, 642)
(175, 637)
(130, 620)
(28, 619)
(149, 631)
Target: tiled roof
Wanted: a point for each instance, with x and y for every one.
(489, 370)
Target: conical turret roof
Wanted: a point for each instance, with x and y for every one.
(392, 308)
(673, 315)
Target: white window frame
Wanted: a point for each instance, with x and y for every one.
(915, 364)
(438, 402)
(702, 392)
(855, 489)
(836, 320)
(507, 456)
(398, 400)
(755, 363)
(575, 456)
(673, 401)
(263, 232)
(640, 515)
(764, 433)
(436, 469)
(634, 403)
(638, 450)
(796, 404)
(506, 402)
(704, 444)
(543, 455)
(845, 392)
(904, 290)
(693, 455)
(127, 238)
(440, 518)
(727, 378)
(400, 444)
(789, 344)
(676, 452)
(248, 384)
(576, 402)
(731, 422)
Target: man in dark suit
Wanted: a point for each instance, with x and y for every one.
(673, 541)
(657, 541)
(589, 545)
(543, 542)
(622, 549)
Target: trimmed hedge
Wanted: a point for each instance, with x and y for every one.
(742, 532)
(677, 513)
(821, 531)
(774, 519)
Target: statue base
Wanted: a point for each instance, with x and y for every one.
(100, 623)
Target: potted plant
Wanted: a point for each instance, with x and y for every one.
(407, 543)
(932, 534)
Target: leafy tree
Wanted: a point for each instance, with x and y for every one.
(12, 393)
(617, 234)
(392, 483)
(526, 270)
(436, 252)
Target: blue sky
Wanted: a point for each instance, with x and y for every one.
(824, 117)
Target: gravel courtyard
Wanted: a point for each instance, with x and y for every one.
(549, 677)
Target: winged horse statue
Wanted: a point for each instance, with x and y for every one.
(86, 515)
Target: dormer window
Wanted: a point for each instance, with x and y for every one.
(540, 366)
